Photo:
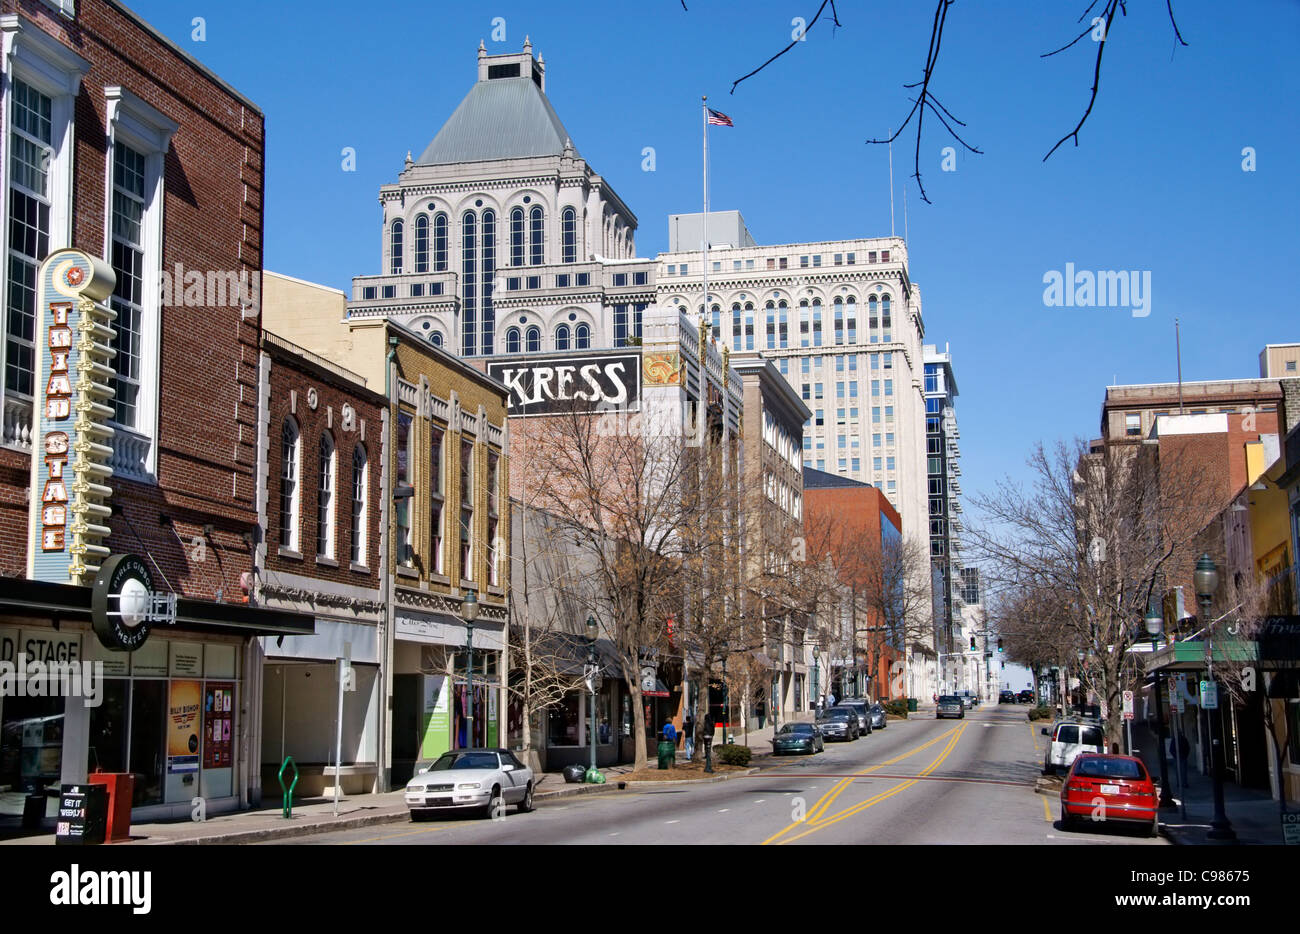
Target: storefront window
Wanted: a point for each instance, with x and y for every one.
(108, 728)
(148, 735)
(562, 723)
(31, 750)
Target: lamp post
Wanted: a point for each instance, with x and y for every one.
(469, 613)
(726, 692)
(1206, 578)
(1083, 691)
(1154, 625)
(592, 668)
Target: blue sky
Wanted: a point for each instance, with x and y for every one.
(1155, 185)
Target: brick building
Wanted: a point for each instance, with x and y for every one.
(322, 444)
(447, 476)
(861, 530)
(118, 144)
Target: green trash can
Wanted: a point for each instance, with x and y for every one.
(911, 705)
(667, 754)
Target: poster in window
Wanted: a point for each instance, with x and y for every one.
(183, 741)
(217, 705)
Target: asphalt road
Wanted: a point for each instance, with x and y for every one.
(919, 781)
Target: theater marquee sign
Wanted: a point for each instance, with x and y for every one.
(72, 407)
(553, 385)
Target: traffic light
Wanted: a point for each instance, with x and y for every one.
(999, 645)
(972, 643)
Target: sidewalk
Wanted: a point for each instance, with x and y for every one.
(309, 816)
(1253, 814)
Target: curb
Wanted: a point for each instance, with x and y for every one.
(330, 825)
(650, 782)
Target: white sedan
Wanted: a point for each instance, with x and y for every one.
(478, 779)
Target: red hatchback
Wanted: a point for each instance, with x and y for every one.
(1109, 788)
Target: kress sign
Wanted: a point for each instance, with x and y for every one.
(550, 385)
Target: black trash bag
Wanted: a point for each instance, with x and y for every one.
(574, 773)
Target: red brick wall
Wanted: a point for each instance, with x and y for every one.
(208, 355)
(286, 378)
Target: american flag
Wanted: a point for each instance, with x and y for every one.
(718, 119)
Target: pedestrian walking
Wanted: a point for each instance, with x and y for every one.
(688, 731)
(670, 732)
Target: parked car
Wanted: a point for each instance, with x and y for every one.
(839, 723)
(1109, 788)
(471, 779)
(969, 698)
(1070, 739)
(1007, 697)
(950, 705)
(863, 709)
(798, 737)
(1026, 696)
(879, 720)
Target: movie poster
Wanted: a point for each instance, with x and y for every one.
(183, 741)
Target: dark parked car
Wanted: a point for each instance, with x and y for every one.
(878, 718)
(839, 723)
(863, 709)
(798, 737)
(1006, 697)
(950, 705)
(1026, 696)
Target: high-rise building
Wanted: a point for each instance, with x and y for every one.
(499, 238)
(943, 493)
(842, 322)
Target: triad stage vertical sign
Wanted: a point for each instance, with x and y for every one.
(71, 439)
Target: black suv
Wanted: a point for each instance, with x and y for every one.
(1006, 697)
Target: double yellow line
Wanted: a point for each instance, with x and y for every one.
(816, 820)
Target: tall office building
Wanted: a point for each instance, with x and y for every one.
(943, 490)
(841, 320)
(499, 238)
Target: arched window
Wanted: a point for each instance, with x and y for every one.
(517, 237)
(435, 338)
(851, 319)
(562, 337)
(422, 243)
(512, 340)
(469, 280)
(536, 234)
(360, 499)
(395, 248)
(735, 326)
(717, 321)
(873, 314)
(817, 322)
(804, 323)
(290, 474)
(749, 325)
(440, 242)
(582, 337)
(783, 324)
(885, 322)
(534, 340)
(325, 486)
(770, 308)
(839, 320)
(489, 221)
(569, 230)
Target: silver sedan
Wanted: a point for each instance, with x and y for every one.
(485, 780)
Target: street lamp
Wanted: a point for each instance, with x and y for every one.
(1155, 623)
(592, 668)
(469, 613)
(1206, 579)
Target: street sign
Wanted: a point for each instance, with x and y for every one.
(1291, 828)
(1128, 705)
(1209, 695)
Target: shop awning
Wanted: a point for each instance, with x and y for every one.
(22, 597)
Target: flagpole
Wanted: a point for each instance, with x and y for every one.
(891, 185)
(704, 235)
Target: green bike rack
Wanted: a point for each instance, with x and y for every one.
(287, 806)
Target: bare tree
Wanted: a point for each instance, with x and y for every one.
(1097, 534)
(614, 487)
